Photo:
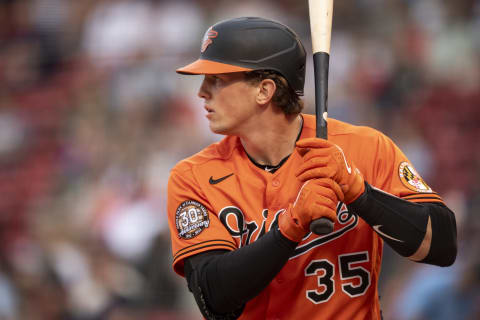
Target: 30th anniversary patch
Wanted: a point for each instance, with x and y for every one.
(191, 218)
(411, 179)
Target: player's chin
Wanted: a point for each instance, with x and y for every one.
(218, 128)
(219, 131)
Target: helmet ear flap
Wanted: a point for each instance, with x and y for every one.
(251, 43)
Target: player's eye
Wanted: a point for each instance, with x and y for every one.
(212, 78)
(218, 80)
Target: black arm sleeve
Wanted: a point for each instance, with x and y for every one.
(403, 224)
(222, 282)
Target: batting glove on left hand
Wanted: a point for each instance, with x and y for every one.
(324, 159)
(316, 199)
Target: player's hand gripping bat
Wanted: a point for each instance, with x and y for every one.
(321, 12)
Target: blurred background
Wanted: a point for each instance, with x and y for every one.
(93, 117)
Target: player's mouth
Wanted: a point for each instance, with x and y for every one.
(209, 111)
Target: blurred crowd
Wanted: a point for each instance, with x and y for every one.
(93, 117)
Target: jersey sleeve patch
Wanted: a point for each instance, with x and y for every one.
(191, 218)
(411, 179)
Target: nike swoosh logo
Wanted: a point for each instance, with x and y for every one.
(377, 229)
(215, 181)
(349, 169)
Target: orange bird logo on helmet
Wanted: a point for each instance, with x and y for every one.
(207, 39)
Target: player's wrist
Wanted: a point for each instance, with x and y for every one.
(356, 188)
(289, 226)
(283, 240)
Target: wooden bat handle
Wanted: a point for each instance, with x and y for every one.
(321, 13)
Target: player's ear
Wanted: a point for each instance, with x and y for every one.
(266, 89)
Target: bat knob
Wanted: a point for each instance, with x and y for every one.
(321, 226)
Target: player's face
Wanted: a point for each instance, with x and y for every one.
(229, 102)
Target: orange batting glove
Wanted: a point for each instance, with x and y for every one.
(324, 159)
(317, 198)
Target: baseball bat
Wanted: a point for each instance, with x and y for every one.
(321, 12)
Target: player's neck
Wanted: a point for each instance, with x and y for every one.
(274, 142)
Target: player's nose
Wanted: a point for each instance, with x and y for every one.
(204, 92)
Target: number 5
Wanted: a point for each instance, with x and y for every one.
(348, 272)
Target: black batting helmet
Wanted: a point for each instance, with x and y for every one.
(251, 43)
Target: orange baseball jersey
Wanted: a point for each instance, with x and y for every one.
(219, 199)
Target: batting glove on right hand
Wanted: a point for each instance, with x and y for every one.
(317, 198)
(324, 159)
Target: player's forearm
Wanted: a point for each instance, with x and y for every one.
(227, 280)
(423, 232)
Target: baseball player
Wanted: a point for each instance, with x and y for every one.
(239, 210)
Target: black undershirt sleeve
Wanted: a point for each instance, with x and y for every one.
(403, 224)
(222, 282)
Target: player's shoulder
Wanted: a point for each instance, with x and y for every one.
(338, 128)
(218, 151)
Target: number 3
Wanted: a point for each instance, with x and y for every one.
(348, 272)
